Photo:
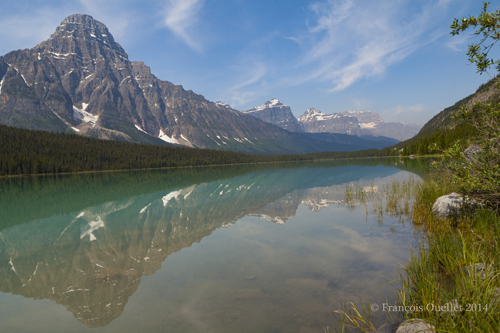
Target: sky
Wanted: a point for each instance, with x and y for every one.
(396, 58)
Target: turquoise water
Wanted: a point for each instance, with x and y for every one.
(235, 249)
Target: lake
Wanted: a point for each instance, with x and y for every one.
(256, 248)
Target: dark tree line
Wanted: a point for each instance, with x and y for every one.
(25, 152)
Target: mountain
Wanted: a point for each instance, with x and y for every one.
(274, 112)
(81, 81)
(487, 92)
(337, 125)
(356, 122)
(315, 121)
(366, 119)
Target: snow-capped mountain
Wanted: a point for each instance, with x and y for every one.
(219, 103)
(315, 121)
(275, 112)
(81, 81)
(355, 122)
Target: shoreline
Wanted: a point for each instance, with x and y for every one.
(209, 165)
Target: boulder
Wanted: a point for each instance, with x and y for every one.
(414, 326)
(448, 205)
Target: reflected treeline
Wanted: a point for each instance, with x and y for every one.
(85, 241)
(25, 199)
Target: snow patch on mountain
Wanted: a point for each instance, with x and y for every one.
(166, 138)
(368, 125)
(312, 114)
(140, 129)
(1, 83)
(84, 116)
(219, 103)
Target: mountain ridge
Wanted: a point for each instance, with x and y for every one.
(81, 81)
(361, 123)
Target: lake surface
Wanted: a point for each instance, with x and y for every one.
(223, 249)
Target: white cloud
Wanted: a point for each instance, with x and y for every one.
(349, 40)
(249, 85)
(180, 16)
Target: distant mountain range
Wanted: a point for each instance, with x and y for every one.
(81, 81)
(361, 123)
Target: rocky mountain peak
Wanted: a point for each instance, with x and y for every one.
(139, 68)
(223, 104)
(273, 103)
(310, 114)
(368, 117)
(275, 112)
(85, 20)
(82, 35)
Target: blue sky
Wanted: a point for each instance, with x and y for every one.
(396, 58)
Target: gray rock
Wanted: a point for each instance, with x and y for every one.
(414, 326)
(448, 205)
(471, 151)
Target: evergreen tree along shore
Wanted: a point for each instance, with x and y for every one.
(25, 152)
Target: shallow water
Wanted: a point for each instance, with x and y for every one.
(235, 249)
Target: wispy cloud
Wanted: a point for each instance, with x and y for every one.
(349, 40)
(248, 85)
(457, 43)
(180, 16)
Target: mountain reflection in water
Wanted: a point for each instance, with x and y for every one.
(96, 236)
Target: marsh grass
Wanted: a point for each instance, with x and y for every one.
(437, 274)
(436, 281)
(393, 199)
